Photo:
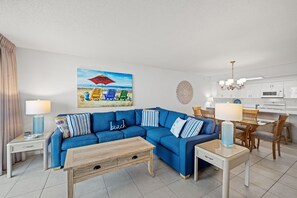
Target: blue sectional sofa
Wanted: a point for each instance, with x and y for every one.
(176, 152)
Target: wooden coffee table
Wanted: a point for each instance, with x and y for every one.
(90, 161)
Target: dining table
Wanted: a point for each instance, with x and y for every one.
(251, 126)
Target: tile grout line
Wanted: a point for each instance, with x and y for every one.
(262, 158)
(105, 185)
(45, 183)
(280, 178)
(135, 184)
(19, 177)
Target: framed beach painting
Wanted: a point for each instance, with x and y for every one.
(103, 89)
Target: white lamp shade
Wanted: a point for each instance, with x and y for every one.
(35, 107)
(228, 111)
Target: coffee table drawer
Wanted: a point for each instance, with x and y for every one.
(94, 168)
(212, 159)
(26, 147)
(133, 157)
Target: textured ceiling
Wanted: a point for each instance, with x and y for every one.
(190, 35)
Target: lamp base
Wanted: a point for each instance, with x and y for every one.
(38, 124)
(227, 134)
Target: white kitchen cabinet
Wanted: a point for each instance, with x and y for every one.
(290, 89)
(251, 91)
(272, 86)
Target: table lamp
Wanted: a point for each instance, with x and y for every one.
(228, 112)
(38, 108)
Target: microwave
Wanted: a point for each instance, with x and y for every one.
(273, 94)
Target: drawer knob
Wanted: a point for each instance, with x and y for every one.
(135, 157)
(29, 146)
(97, 167)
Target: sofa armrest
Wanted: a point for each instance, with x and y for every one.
(187, 151)
(56, 145)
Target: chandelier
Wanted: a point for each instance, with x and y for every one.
(230, 84)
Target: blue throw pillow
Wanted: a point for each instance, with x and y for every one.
(117, 125)
(192, 128)
(79, 124)
(150, 118)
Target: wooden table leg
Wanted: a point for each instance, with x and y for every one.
(151, 164)
(70, 183)
(8, 162)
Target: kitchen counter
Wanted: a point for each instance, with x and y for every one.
(290, 111)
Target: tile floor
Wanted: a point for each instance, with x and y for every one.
(269, 178)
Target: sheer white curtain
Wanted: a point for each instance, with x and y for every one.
(10, 112)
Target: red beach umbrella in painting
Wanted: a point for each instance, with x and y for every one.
(101, 79)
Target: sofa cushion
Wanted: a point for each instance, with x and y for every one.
(171, 143)
(172, 116)
(138, 116)
(133, 131)
(157, 133)
(128, 116)
(106, 136)
(148, 128)
(100, 121)
(78, 141)
(163, 115)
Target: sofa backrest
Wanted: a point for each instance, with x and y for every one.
(100, 121)
(172, 116)
(128, 116)
(163, 113)
(138, 116)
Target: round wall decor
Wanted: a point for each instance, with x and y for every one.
(184, 92)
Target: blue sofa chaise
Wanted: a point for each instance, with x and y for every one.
(176, 152)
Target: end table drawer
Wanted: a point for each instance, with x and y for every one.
(212, 159)
(26, 147)
(94, 168)
(133, 157)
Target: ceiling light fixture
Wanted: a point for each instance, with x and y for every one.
(230, 84)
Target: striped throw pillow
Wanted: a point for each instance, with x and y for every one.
(79, 124)
(150, 118)
(192, 128)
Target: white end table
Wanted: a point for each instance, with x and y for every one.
(224, 158)
(19, 144)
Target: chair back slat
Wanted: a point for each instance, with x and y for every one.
(279, 126)
(197, 111)
(208, 114)
(250, 114)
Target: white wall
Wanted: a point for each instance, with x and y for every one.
(44, 75)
